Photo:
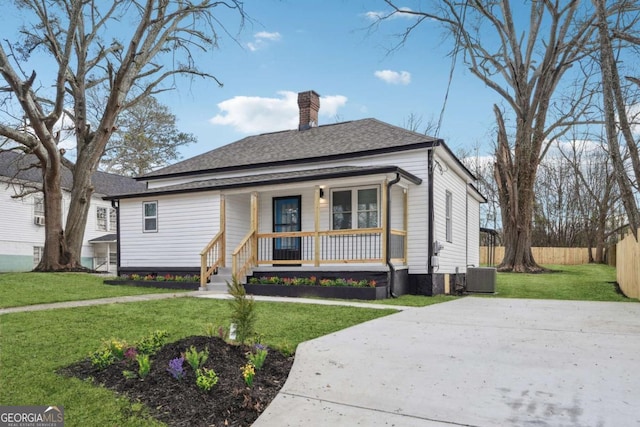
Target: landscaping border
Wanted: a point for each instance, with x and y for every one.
(193, 286)
(301, 291)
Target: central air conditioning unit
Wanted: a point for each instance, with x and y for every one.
(481, 279)
(38, 220)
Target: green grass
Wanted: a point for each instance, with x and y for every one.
(589, 282)
(18, 289)
(34, 345)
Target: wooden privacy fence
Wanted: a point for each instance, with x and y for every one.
(561, 256)
(628, 266)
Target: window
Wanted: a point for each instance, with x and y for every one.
(113, 219)
(447, 214)
(150, 216)
(101, 219)
(365, 201)
(38, 207)
(38, 251)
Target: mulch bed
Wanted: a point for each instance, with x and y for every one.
(181, 402)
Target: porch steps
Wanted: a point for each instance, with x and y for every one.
(218, 282)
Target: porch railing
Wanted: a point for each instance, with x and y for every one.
(363, 246)
(243, 258)
(212, 257)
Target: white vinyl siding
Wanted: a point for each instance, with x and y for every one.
(448, 215)
(188, 223)
(473, 227)
(19, 233)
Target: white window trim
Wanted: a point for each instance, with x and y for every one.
(145, 217)
(354, 204)
(37, 200)
(113, 215)
(448, 214)
(38, 253)
(104, 226)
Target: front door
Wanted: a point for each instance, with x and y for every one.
(286, 217)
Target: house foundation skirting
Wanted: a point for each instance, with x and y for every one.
(160, 271)
(434, 284)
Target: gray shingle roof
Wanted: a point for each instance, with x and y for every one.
(16, 165)
(291, 146)
(272, 178)
(107, 238)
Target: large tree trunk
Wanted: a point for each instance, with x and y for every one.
(515, 189)
(55, 256)
(81, 192)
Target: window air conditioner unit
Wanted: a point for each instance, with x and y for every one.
(38, 220)
(481, 279)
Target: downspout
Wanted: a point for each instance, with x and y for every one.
(392, 271)
(430, 216)
(116, 205)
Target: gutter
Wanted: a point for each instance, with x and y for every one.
(430, 217)
(392, 270)
(116, 205)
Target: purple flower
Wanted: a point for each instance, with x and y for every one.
(175, 368)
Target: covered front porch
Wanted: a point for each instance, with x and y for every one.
(357, 223)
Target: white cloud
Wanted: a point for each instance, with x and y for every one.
(262, 39)
(394, 77)
(253, 114)
(376, 15)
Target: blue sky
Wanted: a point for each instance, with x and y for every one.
(328, 46)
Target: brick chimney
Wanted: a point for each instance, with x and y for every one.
(309, 104)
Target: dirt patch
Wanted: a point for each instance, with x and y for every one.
(181, 402)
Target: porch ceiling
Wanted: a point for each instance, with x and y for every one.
(274, 178)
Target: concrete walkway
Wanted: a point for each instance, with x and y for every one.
(471, 362)
(197, 294)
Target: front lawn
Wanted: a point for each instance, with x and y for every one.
(18, 289)
(34, 345)
(588, 282)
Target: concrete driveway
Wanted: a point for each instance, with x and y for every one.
(471, 362)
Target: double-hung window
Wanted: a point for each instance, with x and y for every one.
(38, 252)
(448, 216)
(355, 208)
(38, 207)
(150, 216)
(113, 219)
(101, 219)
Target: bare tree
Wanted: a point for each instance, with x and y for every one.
(616, 110)
(413, 122)
(524, 66)
(597, 190)
(152, 41)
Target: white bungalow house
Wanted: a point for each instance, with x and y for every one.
(22, 226)
(352, 199)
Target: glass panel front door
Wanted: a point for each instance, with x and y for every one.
(286, 217)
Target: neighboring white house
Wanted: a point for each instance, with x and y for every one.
(22, 218)
(358, 198)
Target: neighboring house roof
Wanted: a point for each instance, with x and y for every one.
(15, 165)
(322, 143)
(271, 179)
(107, 238)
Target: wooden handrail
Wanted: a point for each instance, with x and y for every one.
(243, 257)
(212, 257)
